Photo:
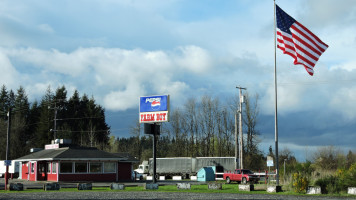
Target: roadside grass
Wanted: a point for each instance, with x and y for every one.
(226, 188)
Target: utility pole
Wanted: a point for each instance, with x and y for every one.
(55, 121)
(240, 125)
(8, 148)
(236, 144)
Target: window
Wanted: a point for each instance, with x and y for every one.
(109, 167)
(81, 167)
(48, 168)
(66, 167)
(32, 168)
(96, 168)
(54, 168)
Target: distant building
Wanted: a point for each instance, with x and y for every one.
(61, 161)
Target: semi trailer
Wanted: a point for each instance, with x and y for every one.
(186, 166)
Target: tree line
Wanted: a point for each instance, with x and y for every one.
(202, 127)
(35, 124)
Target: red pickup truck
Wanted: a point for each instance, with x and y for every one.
(241, 175)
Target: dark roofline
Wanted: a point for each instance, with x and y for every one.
(129, 157)
(72, 153)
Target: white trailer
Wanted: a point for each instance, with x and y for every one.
(186, 166)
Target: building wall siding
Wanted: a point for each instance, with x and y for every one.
(109, 177)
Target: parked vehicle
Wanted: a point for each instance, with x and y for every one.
(186, 166)
(241, 176)
(136, 176)
(143, 168)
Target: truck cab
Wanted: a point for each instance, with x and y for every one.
(143, 168)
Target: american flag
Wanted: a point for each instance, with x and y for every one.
(297, 41)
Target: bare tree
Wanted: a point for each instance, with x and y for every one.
(136, 132)
(191, 122)
(250, 120)
(326, 157)
(208, 111)
(178, 132)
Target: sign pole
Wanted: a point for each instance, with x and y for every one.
(154, 110)
(154, 132)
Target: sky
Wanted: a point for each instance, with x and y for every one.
(119, 50)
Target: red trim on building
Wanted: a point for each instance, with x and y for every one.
(52, 175)
(32, 172)
(42, 173)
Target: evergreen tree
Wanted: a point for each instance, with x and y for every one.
(75, 112)
(33, 123)
(43, 134)
(19, 135)
(61, 118)
(4, 102)
(4, 107)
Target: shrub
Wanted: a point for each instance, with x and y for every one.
(339, 182)
(329, 184)
(300, 183)
(347, 178)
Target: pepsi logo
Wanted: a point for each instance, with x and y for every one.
(155, 103)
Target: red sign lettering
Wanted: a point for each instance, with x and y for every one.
(154, 117)
(161, 116)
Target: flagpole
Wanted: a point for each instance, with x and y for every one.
(275, 97)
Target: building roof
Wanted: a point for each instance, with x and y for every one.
(72, 153)
(129, 157)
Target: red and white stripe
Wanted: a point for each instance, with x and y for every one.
(302, 45)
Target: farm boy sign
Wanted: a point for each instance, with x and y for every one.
(154, 109)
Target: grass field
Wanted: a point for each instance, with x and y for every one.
(226, 188)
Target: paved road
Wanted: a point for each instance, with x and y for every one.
(153, 195)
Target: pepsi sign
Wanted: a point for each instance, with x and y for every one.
(154, 103)
(154, 109)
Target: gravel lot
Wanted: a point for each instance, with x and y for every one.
(152, 195)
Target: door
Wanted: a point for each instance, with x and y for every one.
(42, 171)
(237, 175)
(124, 171)
(25, 170)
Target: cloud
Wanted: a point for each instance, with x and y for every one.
(122, 100)
(336, 13)
(194, 59)
(8, 73)
(117, 76)
(343, 100)
(46, 28)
